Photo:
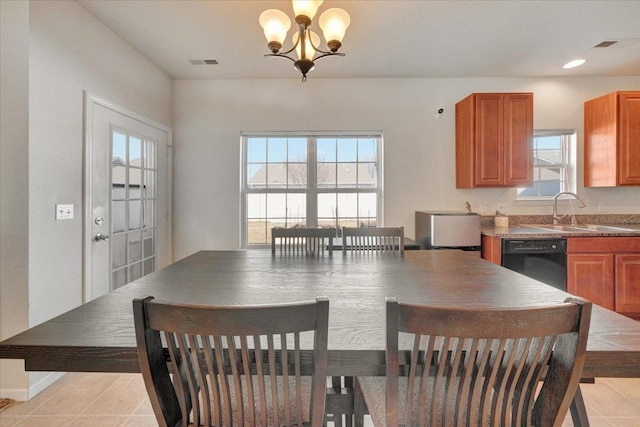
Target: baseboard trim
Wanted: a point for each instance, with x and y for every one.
(44, 383)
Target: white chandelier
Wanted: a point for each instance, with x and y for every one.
(306, 43)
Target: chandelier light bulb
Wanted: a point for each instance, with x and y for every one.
(275, 24)
(306, 8)
(334, 23)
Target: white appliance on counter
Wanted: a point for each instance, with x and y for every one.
(448, 229)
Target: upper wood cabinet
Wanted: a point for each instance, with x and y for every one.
(612, 140)
(494, 134)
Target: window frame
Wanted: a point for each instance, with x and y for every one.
(312, 190)
(567, 166)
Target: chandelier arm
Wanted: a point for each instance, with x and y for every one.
(279, 55)
(317, 49)
(327, 54)
(290, 50)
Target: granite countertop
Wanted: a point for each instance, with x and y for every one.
(537, 231)
(533, 226)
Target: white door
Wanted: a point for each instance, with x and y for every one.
(127, 197)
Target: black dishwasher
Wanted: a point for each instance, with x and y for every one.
(541, 259)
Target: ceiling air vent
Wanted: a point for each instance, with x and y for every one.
(606, 43)
(204, 61)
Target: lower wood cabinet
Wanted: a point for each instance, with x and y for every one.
(491, 249)
(628, 284)
(606, 271)
(591, 276)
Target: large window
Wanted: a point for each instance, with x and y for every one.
(319, 180)
(552, 172)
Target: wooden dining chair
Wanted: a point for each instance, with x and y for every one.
(477, 366)
(233, 366)
(302, 240)
(373, 239)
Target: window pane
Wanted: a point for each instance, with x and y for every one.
(257, 175)
(135, 150)
(149, 184)
(118, 148)
(367, 150)
(135, 271)
(297, 150)
(276, 205)
(297, 175)
(119, 278)
(118, 250)
(297, 209)
(135, 175)
(135, 246)
(148, 248)
(277, 175)
(347, 175)
(347, 150)
(134, 214)
(149, 266)
(368, 206)
(149, 217)
(327, 205)
(367, 175)
(256, 205)
(348, 205)
(326, 175)
(277, 150)
(326, 149)
(256, 232)
(118, 180)
(118, 216)
(150, 154)
(256, 150)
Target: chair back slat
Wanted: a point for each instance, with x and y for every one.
(261, 377)
(373, 239)
(461, 372)
(302, 241)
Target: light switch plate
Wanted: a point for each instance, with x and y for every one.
(64, 212)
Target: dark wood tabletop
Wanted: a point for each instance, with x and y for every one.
(99, 336)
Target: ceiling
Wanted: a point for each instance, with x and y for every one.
(388, 38)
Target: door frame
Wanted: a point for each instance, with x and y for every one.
(89, 101)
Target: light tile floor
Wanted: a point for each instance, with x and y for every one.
(101, 400)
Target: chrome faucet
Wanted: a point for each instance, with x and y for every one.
(556, 217)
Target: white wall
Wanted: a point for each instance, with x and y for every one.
(69, 52)
(419, 148)
(14, 184)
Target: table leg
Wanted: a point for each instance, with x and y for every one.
(578, 410)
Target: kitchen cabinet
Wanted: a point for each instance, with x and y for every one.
(628, 283)
(491, 250)
(612, 140)
(591, 276)
(494, 134)
(606, 270)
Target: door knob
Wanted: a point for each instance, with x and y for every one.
(100, 237)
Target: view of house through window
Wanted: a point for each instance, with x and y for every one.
(552, 171)
(318, 180)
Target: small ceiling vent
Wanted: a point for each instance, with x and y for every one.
(204, 61)
(618, 43)
(606, 43)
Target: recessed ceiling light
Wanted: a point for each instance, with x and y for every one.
(575, 63)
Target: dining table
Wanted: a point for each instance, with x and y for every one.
(99, 336)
